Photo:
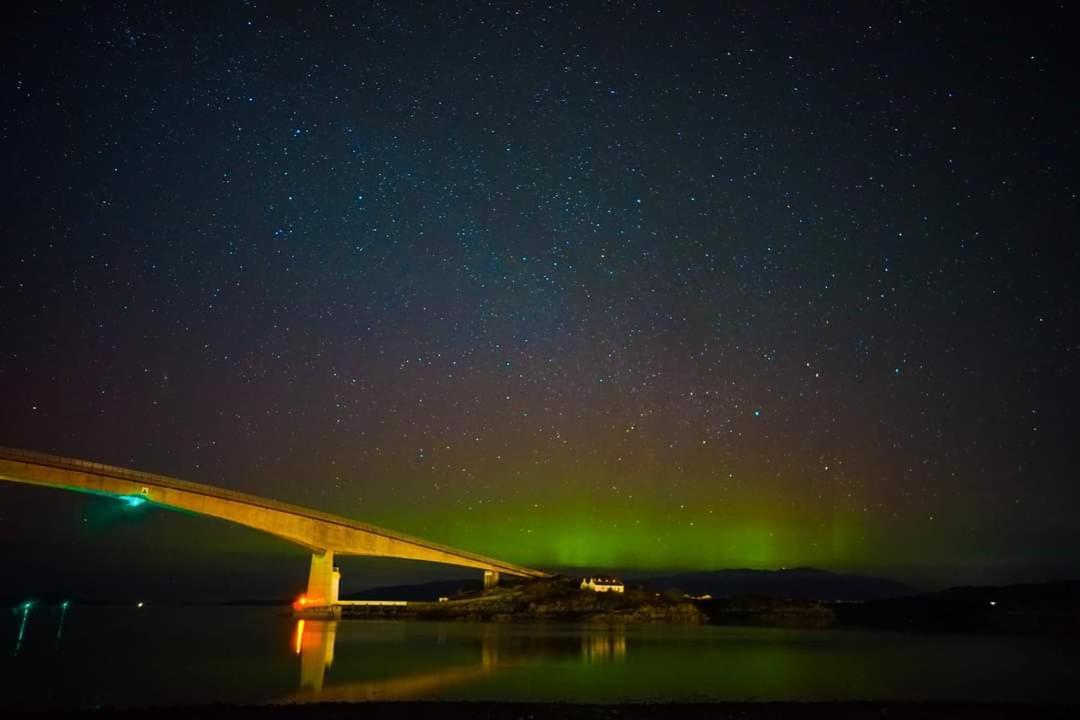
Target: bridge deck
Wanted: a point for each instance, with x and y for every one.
(310, 528)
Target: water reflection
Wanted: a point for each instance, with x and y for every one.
(125, 657)
(315, 641)
(24, 611)
(63, 616)
(499, 648)
(604, 647)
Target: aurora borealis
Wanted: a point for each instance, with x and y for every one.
(633, 286)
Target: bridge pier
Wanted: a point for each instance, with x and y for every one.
(491, 578)
(322, 587)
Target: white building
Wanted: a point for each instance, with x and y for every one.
(600, 584)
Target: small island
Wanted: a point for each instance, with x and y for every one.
(557, 599)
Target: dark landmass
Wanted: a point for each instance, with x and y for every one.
(1040, 607)
(556, 599)
(768, 611)
(1028, 608)
(252, 602)
(571, 711)
(1032, 608)
(783, 598)
(791, 584)
(55, 598)
(431, 591)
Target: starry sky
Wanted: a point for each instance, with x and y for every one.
(579, 285)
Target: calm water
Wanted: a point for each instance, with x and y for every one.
(162, 656)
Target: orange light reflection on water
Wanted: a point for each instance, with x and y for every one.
(299, 645)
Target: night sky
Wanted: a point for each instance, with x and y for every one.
(599, 285)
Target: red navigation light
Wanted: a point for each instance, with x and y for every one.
(300, 602)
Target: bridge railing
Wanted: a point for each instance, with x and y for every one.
(67, 463)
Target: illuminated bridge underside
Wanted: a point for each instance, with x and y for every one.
(324, 534)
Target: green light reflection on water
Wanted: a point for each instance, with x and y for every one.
(24, 610)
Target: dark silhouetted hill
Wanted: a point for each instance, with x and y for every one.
(1038, 607)
(431, 591)
(791, 584)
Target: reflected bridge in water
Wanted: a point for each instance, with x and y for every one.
(500, 648)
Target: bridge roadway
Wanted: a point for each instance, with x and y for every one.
(323, 534)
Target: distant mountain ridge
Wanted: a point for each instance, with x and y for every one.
(802, 583)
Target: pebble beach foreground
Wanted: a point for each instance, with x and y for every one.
(568, 711)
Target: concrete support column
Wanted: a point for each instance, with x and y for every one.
(491, 578)
(323, 580)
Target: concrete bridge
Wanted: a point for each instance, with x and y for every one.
(324, 534)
